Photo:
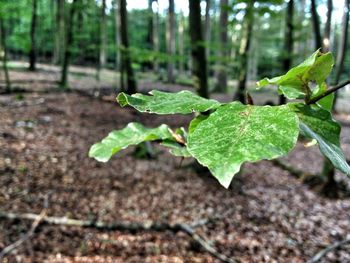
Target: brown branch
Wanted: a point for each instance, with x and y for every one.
(323, 252)
(38, 219)
(125, 226)
(291, 169)
(329, 91)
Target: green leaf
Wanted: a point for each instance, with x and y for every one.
(194, 123)
(132, 134)
(176, 149)
(183, 102)
(237, 133)
(318, 124)
(320, 69)
(291, 92)
(326, 102)
(294, 83)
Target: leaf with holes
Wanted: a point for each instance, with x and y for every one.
(132, 134)
(237, 133)
(183, 102)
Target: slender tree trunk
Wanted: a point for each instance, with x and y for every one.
(103, 36)
(53, 11)
(170, 35)
(199, 60)
(207, 27)
(125, 52)
(32, 52)
(328, 171)
(3, 54)
(244, 50)
(316, 25)
(68, 46)
(60, 32)
(327, 29)
(221, 85)
(149, 38)
(117, 36)
(181, 44)
(343, 41)
(156, 37)
(288, 43)
(299, 19)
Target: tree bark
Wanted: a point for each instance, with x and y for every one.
(199, 60)
(116, 36)
(181, 44)
(327, 29)
(328, 170)
(316, 25)
(126, 67)
(343, 41)
(60, 33)
(207, 27)
(221, 85)
(32, 52)
(288, 43)
(103, 36)
(3, 54)
(149, 38)
(170, 35)
(156, 37)
(68, 47)
(243, 53)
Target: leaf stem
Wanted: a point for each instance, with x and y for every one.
(329, 91)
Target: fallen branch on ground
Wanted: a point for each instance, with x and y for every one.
(124, 226)
(323, 252)
(291, 169)
(25, 237)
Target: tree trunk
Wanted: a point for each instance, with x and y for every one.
(149, 38)
(316, 25)
(243, 53)
(207, 27)
(328, 171)
(60, 33)
(343, 40)
(170, 35)
(3, 54)
(330, 188)
(288, 43)
(221, 85)
(103, 36)
(32, 52)
(199, 60)
(126, 67)
(156, 37)
(181, 44)
(327, 28)
(68, 47)
(117, 36)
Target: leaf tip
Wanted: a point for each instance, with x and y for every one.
(122, 99)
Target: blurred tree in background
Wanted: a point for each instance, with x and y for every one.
(243, 40)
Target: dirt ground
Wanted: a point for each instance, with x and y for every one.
(266, 216)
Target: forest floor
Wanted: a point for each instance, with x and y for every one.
(266, 216)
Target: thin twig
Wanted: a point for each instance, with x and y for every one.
(323, 252)
(25, 237)
(125, 226)
(329, 91)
